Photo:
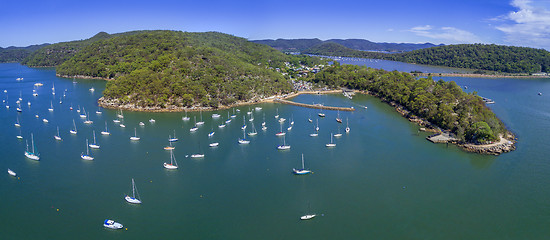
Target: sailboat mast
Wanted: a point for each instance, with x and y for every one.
(303, 161)
(32, 142)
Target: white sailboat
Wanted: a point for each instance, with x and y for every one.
(174, 139)
(214, 144)
(106, 132)
(228, 118)
(185, 118)
(338, 134)
(215, 115)
(173, 163)
(338, 119)
(277, 116)
(83, 113)
(254, 132)
(135, 137)
(57, 136)
(315, 130)
(88, 121)
(233, 116)
(194, 128)
(98, 111)
(87, 155)
(308, 216)
(94, 145)
(17, 124)
(32, 155)
(73, 131)
(51, 107)
(284, 146)
(331, 144)
(170, 147)
(133, 198)
(19, 135)
(244, 123)
(347, 125)
(201, 122)
(120, 115)
(243, 140)
(303, 170)
(281, 133)
(11, 172)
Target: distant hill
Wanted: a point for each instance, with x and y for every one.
(17, 54)
(490, 57)
(55, 54)
(300, 45)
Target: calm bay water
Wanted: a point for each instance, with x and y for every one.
(382, 181)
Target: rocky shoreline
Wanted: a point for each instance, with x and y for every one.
(83, 77)
(506, 143)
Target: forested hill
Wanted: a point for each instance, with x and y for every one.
(482, 56)
(55, 54)
(506, 59)
(17, 54)
(301, 45)
(442, 103)
(167, 69)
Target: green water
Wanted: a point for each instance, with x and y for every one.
(382, 181)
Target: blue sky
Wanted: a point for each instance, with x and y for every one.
(514, 22)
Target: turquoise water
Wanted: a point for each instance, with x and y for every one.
(382, 181)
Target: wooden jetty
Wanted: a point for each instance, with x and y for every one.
(350, 109)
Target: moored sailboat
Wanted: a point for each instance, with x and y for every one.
(303, 170)
(32, 155)
(173, 163)
(86, 156)
(133, 199)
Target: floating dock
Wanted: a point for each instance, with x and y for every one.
(350, 109)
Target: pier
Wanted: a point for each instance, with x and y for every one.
(350, 109)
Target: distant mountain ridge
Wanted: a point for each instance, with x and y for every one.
(300, 45)
(17, 54)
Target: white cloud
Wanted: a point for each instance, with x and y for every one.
(528, 26)
(445, 34)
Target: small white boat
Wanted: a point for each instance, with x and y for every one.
(112, 224)
(17, 124)
(141, 124)
(331, 144)
(98, 111)
(185, 118)
(173, 139)
(57, 136)
(106, 132)
(214, 144)
(87, 155)
(307, 217)
(170, 147)
(221, 126)
(281, 120)
(284, 146)
(264, 128)
(243, 140)
(10, 172)
(193, 129)
(281, 133)
(337, 135)
(173, 164)
(94, 145)
(51, 107)
(303, 170)
(38, 84)
(133, 198)
(215, 115)
(197, 155)
(120, 114)
(152, 120)
(122, 125)
(92, 89)
(116, 121)
(135, 137)
(73, 131)
(45, 120)
(258, 108)
(201, 122)
(211, 134)
(321, 115)
(254, 132)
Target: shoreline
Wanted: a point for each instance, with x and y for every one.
(505, 144)
(476, 75)
(113, 104)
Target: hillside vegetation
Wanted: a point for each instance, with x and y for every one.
(159, 69)
(442, 103)
(492, 57)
